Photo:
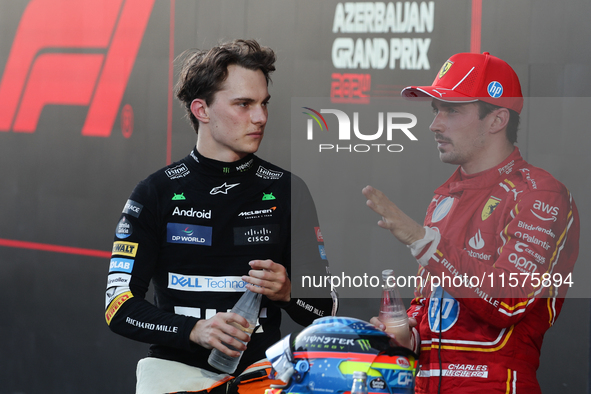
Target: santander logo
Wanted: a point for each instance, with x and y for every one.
(476, 242)
(72, 52)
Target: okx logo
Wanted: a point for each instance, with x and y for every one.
(72, 52)
(396, 124)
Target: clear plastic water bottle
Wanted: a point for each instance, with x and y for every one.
(359, 383)
(248, 307)
(392, 311)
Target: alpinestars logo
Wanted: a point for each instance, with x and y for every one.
(46, 66)
(222, 188)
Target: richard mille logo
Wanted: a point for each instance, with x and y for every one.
(222, 188)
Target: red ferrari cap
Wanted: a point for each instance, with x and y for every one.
(468, 77)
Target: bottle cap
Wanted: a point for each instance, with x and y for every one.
(359, 375)
(387, 273)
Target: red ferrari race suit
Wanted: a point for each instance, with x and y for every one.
(496, 262)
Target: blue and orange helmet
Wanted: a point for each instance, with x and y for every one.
(324, 356)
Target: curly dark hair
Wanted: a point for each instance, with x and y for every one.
(203, 72)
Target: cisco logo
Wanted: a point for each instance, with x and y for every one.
(256, 235)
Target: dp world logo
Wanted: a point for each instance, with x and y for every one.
(397, 123)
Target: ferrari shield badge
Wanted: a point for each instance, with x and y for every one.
(446, 66)
(489, 207)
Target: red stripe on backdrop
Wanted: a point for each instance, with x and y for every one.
(476, 26)
(170, 78)
(54, 248)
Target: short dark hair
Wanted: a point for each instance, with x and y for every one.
(203, 72)
(485, 108)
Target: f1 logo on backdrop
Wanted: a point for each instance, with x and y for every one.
(46, 65)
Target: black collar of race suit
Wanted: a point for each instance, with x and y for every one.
(222, 167)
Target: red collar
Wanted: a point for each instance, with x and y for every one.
(484, 179)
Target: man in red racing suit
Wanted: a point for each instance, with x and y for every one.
(498, 246)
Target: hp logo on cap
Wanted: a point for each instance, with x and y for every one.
(495, 89)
